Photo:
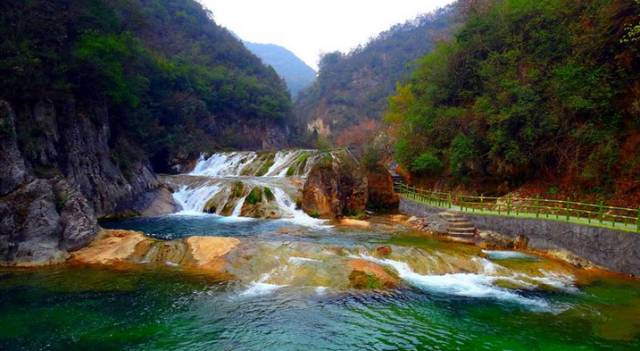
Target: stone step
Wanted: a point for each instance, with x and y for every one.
(450, 214)
(461, 229)
(462, 234)
(457, 220)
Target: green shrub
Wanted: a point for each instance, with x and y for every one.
(460, 152)
(269, 194)
(254, 196)
(426, 163)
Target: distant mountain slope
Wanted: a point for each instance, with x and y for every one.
(352, 89)
(296, 73)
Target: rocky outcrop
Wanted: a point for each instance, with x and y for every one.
(58, 176)
(369, 275)
(121, 247)
(336, 186)
(381, 197)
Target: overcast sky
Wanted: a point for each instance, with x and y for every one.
(309, 28)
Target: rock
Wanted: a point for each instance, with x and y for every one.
(111, 247)
(13, 171)
(521, 242)
(381, 196)
(369, 275)
(336, 186)
(354, 222)
(570, 258)
(31, 229)
(260, 203)
(383, 251)
(77, 219)
(208, 252)
(156, 203)
(117, 247)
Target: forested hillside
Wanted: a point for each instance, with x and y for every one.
(295, 72)
(544, 94)
(172, 80)
(351, 90)
(98, 95)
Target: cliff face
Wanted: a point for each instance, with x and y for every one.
(97, 95)
(58, 176)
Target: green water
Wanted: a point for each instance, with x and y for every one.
(80, 309)
(164, 308)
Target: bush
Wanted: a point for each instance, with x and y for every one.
(460, 152)
(426, 163)
(254, 196)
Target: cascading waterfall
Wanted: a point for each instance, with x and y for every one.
(247, 183)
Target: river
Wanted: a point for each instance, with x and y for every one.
(293, 285)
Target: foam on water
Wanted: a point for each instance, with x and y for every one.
(260, 287)
(475, 285)
(297, 216)
(301, 260)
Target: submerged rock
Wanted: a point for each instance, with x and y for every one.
(208, 252)
(336, 186)
(369, 275)
(116, 247)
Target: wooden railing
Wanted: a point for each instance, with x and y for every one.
(601, 215)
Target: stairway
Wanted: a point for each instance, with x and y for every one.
(458, 224)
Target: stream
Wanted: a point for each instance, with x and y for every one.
(293, 286)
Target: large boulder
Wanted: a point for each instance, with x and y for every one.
(43, 220)
(336, 186)
(381, 196)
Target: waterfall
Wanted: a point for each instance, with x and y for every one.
(222, 183)
(193, 200)
(298, 216)
(250, 163)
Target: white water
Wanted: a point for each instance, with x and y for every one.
(223, 164)
(478, 285)
(192, 200)
(296, 216)
(215, 177)
(261, 287)
(237, 164)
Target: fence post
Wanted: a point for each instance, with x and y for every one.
(481, 202)
(567, 209)
(537, 205)
(508, 205)
(450, 200)
(601, 211)
(638, 221)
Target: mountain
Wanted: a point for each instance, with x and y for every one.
(296, 73)
(96, 96)
(351, 91)
(539, 96)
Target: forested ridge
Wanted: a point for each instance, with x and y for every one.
(351, 91)
(173, 81)
(540, 94)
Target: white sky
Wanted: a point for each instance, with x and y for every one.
(310, 28)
